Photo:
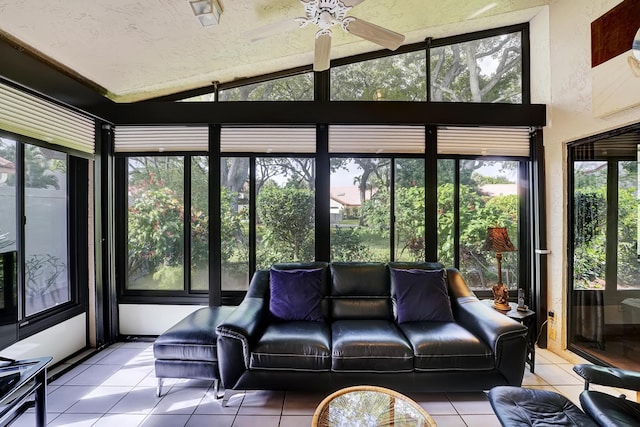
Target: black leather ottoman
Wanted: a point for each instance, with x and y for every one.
(189, 348)
(515, 406)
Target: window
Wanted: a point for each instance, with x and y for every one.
(285, 208)
(474, 194)
(478, 70)
(155, 226)
(400, 77)
(361, 226)
(46, 233)
(604, 288)
(167, 229)
(234, 215)
(292, 88)
(36, 182)
(199, 222)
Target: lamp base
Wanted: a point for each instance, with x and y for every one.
(501, 306)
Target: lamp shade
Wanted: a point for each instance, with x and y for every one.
(498, 240)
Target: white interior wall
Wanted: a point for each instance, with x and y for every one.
(145, 319)
(59, 341)
(569, 118)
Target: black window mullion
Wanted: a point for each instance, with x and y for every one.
(252, 215)
(21, 221)
(186, 250)
(323, 190)
(431, 193)
(456, 212)
(215, 222)
(392, 208)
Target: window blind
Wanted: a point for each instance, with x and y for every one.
(267, 140)
(129, 139)
(29, 115)
(484, 141)
(376, 139)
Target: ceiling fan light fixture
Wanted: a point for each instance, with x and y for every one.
(207, 11)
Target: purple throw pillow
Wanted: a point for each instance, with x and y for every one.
(296, 294)
(421, 295)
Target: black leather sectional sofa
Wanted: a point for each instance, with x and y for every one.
(360, 340)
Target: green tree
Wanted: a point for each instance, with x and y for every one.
(392, 78)
(485, 70)
(292, 88)
(287, 217)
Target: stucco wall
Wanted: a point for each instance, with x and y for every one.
(569, 118)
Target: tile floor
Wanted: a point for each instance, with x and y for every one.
(116, 387)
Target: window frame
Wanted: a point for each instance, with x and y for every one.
(77, 237)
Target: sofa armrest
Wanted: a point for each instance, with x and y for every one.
(236, 334)
(506, 337)
(613, 377)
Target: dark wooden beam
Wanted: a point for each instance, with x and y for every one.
(310, 113)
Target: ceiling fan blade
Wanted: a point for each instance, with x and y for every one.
(269, 30)
(351, 3)
(322, 53)
(372, 32)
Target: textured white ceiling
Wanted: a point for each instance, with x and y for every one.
(138, 49)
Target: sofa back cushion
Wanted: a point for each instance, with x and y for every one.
(360, 290)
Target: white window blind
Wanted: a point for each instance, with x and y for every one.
(29, 115)
(376, 139)
(130, 139)
(267, 140)
(484, 141)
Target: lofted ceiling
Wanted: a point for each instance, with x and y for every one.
(132, 50)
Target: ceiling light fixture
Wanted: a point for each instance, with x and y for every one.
(207, 11)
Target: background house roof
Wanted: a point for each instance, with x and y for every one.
(139, 49)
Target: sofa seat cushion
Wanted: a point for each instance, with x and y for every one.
(370, 346)
(446, 346)
(192, 338)
(294, 345)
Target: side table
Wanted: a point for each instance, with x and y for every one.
(32, 381)
(527, 318)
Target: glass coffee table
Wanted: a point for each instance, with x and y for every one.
(370, 406)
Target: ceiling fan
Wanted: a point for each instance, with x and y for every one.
(329, 13)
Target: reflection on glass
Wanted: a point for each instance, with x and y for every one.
(155, 228)
(484, 70)
(234, 215)
(392, 78)
(46, 234)
(285, 204)
(360, 209)
(7, 195)
(200, 223)
(488, 197)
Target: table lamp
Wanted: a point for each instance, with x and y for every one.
(498, 241)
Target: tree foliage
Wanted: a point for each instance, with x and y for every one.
(287, 215)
